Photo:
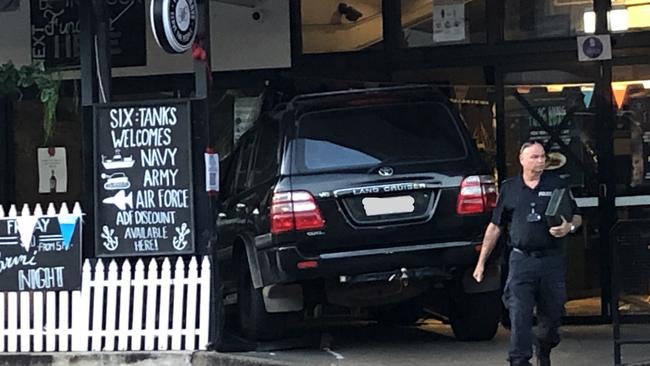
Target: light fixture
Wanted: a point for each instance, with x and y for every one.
(589, 19)
(617, 20)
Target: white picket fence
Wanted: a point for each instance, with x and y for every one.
(116, 310)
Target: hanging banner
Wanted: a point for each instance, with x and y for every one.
(40, 252)
(144, 195)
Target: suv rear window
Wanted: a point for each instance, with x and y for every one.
(366, 136)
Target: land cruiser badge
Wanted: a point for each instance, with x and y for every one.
(174, 24)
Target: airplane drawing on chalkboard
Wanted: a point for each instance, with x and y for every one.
(116, 181)
(121, 200)
(118, 162)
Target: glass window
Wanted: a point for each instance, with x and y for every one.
(631, 169)
(526, 19)
(443, 22)
(338, 26)
(227, 169)
(362, 137)
(243, 165)
(266, 161)
(633, 15)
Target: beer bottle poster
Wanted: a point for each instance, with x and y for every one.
(143, 186)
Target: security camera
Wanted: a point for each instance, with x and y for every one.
(257, 15)
(349, 12)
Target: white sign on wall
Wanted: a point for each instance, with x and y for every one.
(594, 47)
(52, 170)
(449, 22)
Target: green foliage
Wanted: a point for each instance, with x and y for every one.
(13, 79)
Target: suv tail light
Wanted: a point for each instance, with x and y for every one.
(477, 194)
(295, 211)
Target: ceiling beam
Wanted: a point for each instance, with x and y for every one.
(244, 3)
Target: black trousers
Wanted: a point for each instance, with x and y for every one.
(534, 281)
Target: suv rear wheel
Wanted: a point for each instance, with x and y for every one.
(475, 317)
(255, 323)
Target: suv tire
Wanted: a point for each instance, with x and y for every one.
(255, 323)
(475, 317)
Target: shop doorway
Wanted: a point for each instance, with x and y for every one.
(595, 136)
(631, 154)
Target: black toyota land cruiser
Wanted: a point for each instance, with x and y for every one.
(371, 199)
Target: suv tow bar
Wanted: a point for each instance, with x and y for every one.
(403, 278)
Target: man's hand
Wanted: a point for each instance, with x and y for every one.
(478, 272)
(561, 230)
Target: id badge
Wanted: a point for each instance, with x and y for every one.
(533, 216)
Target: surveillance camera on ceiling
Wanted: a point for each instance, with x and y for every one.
(349, 12)
(257, 15)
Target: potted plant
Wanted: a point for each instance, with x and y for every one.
(13, 79)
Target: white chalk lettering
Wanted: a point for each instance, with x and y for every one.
(176, 198)
(50, 246)
(145, 245)
(40, 278)
(124, 218)
(155, 217)
(147, 137)
(141, 232)
(155, 157)
(157, 116)
(144, 199)
(12, 228)
(121, 117)
(18, 260)
(42, 224)
(160, 177)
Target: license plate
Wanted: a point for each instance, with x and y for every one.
(391, 205)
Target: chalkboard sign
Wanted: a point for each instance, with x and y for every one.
(40, 252)
(55, 32)
(143, 184)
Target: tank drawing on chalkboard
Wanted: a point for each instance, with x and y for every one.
(118, 161)
(121, 200)
(116, 181)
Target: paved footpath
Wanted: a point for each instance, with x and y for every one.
(433, 344)
(369, 344)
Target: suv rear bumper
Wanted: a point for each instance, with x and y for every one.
(280, 264)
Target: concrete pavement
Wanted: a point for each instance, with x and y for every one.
(369, 344)
(432, 344)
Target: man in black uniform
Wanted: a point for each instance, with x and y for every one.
(537, 265)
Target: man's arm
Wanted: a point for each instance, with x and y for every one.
(490, 238)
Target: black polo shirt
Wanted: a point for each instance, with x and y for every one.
(515, 204)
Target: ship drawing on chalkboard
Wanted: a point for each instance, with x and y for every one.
(118, 161)
(116, 181)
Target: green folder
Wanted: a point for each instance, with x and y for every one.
(558, 206)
